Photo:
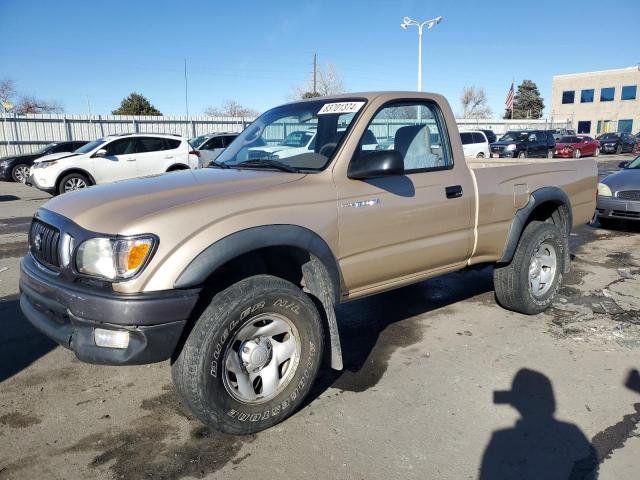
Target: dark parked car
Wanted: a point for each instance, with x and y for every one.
(523, 144)
(619, 195)
(15, 168)
(490, 135)
(617, 142)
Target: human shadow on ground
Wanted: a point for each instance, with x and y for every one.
(538, 445)
(20, 343)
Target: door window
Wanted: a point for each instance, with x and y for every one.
(467, 138)
(150, 144)
(228, 139)
(478, 137)
(123, 146)
(171, 143)
(416, 130)
(213, 143)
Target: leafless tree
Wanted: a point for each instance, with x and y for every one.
(231, 108)
(31, 104)
(7, 92)
(328, 82)
(474, 103)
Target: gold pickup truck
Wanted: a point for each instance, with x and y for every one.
(233, 271)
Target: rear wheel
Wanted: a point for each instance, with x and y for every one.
(577, 153)
(618, 149)
(549, 153)
(597, 152)
(251, 357)
(522, 155)
(20, 172)
(529, 283)
(480, 155)
(73, 181)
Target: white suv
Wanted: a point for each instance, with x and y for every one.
(475, 144)
(116, 157)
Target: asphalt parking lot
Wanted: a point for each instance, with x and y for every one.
(415, 401)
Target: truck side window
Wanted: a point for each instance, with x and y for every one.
(416, 130)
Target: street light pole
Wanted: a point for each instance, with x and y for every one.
(406, 23)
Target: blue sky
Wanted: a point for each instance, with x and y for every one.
(256, 51)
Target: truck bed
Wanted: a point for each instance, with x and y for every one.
(504, 186)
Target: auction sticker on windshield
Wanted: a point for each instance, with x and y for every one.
(340, 107)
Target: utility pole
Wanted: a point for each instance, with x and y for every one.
(186, 89)
(315, 72)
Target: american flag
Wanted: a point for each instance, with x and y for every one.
(509, 101)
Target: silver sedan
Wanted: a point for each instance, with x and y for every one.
(619, 195)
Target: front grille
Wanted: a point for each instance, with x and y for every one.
(630, 195)
(625, 213)
(44, 243)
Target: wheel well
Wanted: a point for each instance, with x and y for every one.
(552, 211)
(74, 170)
(175, 167)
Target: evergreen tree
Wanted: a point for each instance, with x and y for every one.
(136, 104)
(527, 102)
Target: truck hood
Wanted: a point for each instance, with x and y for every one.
(110, 208)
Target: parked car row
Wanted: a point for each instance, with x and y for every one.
(15, 168)
(618, 142)
(65, 166)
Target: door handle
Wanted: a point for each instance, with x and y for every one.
(454, 191)
(168, 156)
(131, 159)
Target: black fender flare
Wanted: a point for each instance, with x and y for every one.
(321, 273)
(255, 238)
(537, 198)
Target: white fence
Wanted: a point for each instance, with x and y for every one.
(24, 134)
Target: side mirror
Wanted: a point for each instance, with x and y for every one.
(623, 164)
(376, 164)
(100, 153)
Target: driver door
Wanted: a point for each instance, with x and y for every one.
(118, 164)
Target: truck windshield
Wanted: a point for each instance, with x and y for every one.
(300, 136)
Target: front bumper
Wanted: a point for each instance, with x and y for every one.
(5, 173)
(69, 313)
(608, 149)
(617, 209)
(502, 153)
(32, 182)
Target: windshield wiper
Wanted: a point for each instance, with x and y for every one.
(216, 164)
(267, 163)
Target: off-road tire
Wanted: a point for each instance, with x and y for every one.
(511, 281)
(77, 177)
(198, 371)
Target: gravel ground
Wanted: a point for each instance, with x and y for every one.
(427, 392)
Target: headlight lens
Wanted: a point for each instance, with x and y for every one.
(604, 190)
(39, 165)
(511, 147)
(111, 258)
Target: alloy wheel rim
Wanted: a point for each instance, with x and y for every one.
(542, 269)
(261, 359)
(74, 184)
(21, 173)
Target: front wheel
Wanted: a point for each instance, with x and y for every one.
(549, 153)
(577, 153)
(20, 172)
(522, 155)
(618, 149)
(251, 357)
(73, 181)
(597, 152)
(529, 283)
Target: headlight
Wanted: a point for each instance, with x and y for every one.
(511, 147)
(115, 259)
(50, 163)
(604, 190)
